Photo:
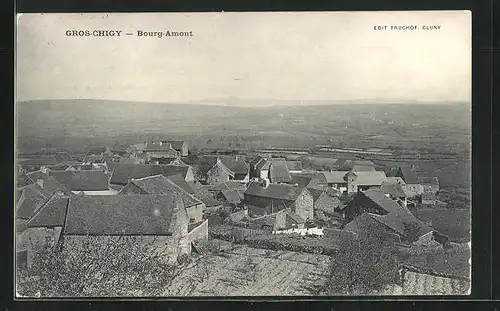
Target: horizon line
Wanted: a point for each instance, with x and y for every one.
(208, 101)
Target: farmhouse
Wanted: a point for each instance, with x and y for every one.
(160, 149)
(238, 166)
(372, 201)
(336, 180)
(180, 146)
(256, 165)
(392, 227)
(412, 186)
(219, 173)
(325, 200)
(275, 197)
(144, 219)
(352, 181)
(123, 173)
(161, 185)
(309, 180)
(394, 192)
(89, 182)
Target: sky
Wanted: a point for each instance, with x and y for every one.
(290, 56)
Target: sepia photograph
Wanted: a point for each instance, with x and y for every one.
(270, 154)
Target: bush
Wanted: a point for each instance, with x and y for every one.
(120, 267)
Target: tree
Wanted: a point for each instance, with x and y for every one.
(202, 169)
(411, 232)
(118, 267)
(363, 265)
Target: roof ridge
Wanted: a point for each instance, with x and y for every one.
(40, 208)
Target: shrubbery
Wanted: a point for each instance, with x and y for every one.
(264, 239)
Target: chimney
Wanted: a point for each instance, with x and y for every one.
(40, 182)
(160, 143)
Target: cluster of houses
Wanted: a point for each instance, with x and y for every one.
(152, 189)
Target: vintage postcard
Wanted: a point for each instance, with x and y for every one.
(243, 154)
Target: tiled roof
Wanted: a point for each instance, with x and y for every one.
(278, 172)
(121, 215)
(131, 161)
(201, 192)
(161, 185)
(397, 223)
(236, 164)
(301, 180)
(51, 214)
(89, 180)
(370, 178)
(233, 196)
(228, 185)
(36, 175)
(225, 168)
(122, 173)
(275, 191)
(335, 177)
(94, 158)
(152, 147)
(395, 190)
(421, 284)
(379, 198)
(393, 180)
(31, 199)
(181, 182)
(256, 159)
(359, 168)
(408, 175)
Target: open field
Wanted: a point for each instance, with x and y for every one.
(276, 273)
(439, 132)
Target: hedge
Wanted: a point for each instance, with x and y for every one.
(263, 239)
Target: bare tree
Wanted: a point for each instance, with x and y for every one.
(361, 266)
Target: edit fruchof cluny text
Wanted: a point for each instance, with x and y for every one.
(120, 33)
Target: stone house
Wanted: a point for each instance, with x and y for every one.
(143, 219)
(275, 197)
(161, 185)
(219, 173)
